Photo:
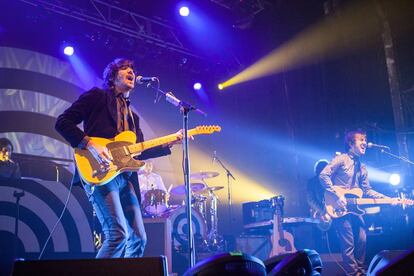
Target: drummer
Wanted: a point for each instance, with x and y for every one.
(148, 180)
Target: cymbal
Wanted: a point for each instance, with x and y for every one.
(195, 187)
(215, 188)
(203, 175)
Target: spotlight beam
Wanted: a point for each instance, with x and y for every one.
(353, 28)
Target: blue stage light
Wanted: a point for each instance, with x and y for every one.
(184, 11)
(197, 86)
(68, 50)
(394, 179)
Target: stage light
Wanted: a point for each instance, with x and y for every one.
(394, 179)
(184, 11)
(68, 50)
(220, 86)
(197, 86)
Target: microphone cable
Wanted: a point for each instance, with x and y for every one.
(57, 222)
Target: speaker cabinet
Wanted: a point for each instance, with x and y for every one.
(155, 266)
(158, 239)
(255, 245)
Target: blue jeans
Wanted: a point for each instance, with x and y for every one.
(118, 210)
(352, 240)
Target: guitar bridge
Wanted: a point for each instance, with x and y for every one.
(104, 170)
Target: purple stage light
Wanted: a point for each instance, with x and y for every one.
(197, 86)
(68, 50)
(184, 11)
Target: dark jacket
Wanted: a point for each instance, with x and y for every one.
(97, 110)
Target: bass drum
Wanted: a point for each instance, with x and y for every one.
(179, 227)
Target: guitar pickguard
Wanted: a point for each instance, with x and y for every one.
(122, 158)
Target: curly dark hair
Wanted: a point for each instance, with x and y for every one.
(4, 142)
(112, 69)
(350, 137)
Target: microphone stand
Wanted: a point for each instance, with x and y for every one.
(185, 109)
(401, 158)
(17, 195)
(229, 197)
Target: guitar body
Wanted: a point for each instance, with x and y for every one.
(94, 173)
(281, 246)
(123, 148)
(282, 241)
(332, 207)
(354, 199)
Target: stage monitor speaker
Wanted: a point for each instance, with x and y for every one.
(396, 262)
(154, 266)
(303, 262)
(229, 264)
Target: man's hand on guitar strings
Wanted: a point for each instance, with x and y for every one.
(341, 202)
(179, 135)
(100, 153)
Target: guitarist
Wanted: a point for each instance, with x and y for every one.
(106, 113)
(315, 191)
(346, 171)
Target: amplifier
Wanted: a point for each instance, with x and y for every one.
(158, 239)
(257, 211)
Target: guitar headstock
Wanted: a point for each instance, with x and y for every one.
(278, 201)
(207, 129)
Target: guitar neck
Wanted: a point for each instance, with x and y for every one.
(368, 201)
(139, 147)
(278, 221)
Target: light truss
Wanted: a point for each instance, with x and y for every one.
(251, 7)
(117, 19)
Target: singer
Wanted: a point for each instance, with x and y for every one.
(105, 113)
(347, 172)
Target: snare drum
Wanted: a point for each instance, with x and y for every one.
(180, 228)
(155, 202)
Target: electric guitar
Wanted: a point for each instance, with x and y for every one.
(282, 241)
(353, 199)
(122, 149)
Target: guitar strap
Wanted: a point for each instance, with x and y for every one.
(357, 173)
(128, 103)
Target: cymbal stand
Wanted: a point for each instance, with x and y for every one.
(229, 197)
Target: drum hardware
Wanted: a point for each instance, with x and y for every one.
(215, 241)
(203, 175)
(195, 187)
(215, 188)
(155, 202)
(204, 216)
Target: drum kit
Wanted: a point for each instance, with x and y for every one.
(204, 219)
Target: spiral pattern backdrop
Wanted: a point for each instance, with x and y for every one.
(34, 89)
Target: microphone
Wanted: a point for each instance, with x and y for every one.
(142, 80)
(372, 145)
(214, 157)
